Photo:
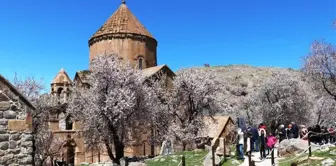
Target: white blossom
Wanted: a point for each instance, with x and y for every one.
(115, 108)
(320, 64)
(280, 100)
(194, 94)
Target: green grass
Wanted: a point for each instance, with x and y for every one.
(304, 160)
(229, 161)
(193, 158)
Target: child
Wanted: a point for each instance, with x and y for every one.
(271, 141)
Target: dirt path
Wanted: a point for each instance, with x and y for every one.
(258, 162)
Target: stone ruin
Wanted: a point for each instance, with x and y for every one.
(16, 144)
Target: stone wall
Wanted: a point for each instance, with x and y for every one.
(129, 49)
(15, 136)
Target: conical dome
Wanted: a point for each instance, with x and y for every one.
(122, 21)
(61, 77)
(123, 35)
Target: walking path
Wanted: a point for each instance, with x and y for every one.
(258, 162)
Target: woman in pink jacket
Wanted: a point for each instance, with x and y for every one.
(271, 141)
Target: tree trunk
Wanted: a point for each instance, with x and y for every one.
(109, 150)
(184, 146)
(92, 155)
(52, 161)
(98, 155)
(119, 150)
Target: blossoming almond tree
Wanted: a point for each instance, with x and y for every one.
(156, 96)
(320, 64)
(325, 111)
(46, 144)
(194, 94)
(114, 107)
(280, 100)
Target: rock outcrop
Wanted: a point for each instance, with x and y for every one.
(292, 147)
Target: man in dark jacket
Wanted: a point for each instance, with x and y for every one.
(255, 140)
(295, 129)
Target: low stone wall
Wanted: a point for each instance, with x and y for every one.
(15, 136)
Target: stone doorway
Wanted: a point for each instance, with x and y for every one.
(70, 156)
(70, 149)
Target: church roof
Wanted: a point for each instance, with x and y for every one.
(82, 75)
(214, 126)
(9, 86)
(61, 77)
(122, 21)
(148, 72)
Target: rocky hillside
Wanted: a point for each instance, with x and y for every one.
(240, 81)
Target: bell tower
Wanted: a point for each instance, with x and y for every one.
(60, 86)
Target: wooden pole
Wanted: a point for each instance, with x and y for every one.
(183, 161)
(98, 155)
(250, 159)
(213, 156)
(224, 150)
(144, 148)
(310, 153)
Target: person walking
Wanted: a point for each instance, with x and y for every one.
(240, 144)
(271, 141)
(262, 142)
(255, 140)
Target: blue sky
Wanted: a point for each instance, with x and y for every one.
(39, 37)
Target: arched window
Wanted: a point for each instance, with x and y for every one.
(140, 63)
(68, 123)
(59, 91)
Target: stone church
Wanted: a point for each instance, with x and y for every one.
(124, 35)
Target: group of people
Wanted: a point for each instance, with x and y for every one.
(322, 135)
(316, 134)
(262, 140)
(255, 140)
(292, 131)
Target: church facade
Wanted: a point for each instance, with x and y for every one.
(122, 34)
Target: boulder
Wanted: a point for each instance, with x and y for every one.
(292, 147)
